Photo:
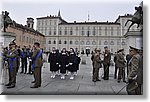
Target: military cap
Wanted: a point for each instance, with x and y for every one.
(106, 47)
(120, 50)
(12, 43)
(134, 48)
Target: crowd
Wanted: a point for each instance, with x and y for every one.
(133, 63)
(67, 63)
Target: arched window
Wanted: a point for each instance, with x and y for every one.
(88, 42)
(65, 42)
(54, 42)
(49, 42)
(106, 43)
(111, 43)
(94, 43)
(82, 42)
(59, 42)
(71, 42)
(76, 42)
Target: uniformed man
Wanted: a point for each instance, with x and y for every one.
(37, 64)
(12, 61)
(134, 66)
(96, 65)
(116, 69)
(106, 63)
(120, 64)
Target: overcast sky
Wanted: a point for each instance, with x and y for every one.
(77, 10)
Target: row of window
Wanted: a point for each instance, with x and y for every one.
(87, 42)
(29, 40)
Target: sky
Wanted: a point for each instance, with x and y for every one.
(73, 10)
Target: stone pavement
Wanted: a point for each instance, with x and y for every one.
(82, 84)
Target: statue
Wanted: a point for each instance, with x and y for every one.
(5, 20)
(137, 18)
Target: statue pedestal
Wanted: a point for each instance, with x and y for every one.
(133, 38)
(6, 38)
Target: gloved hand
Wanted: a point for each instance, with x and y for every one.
(67, 65)
(59, 65)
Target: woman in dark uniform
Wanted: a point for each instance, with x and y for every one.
(72, 63)
(63, 63)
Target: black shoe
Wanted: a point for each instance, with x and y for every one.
(25, 73)
(8, 84)
(106, 79)
(33, 82)
(34, 86)
(39, 85)
(94, 80)
(21, 72)
(124, 81)
(28, 73)
(118, 81)
(11, 86)
(98, 80)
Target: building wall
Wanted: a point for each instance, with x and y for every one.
(75, 35)
(26, 38)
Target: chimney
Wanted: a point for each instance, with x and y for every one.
(30, 22)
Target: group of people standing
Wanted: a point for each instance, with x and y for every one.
(64, 62)
(12, 56)
(133, 63)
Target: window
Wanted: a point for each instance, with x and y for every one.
(82, 31)
(76, 42)
(65, 42)
(105, 31)
(60, 32)
(94, 31)
(100, 42)
(71, 31)
(99, 30)
(59, 42)
(106, 43)
(50, 32)
(111, 31)
(88, 42)
(94, 43)
(88, 33)
(20, 38)
(118, 42)
(54, 42)
(71, 42)
(117, 31)
(23, 39)
(49, 42)
(111, 43)
(27, 40)
(30, 40)
(54, 32)
(82, 42)
(65, 30)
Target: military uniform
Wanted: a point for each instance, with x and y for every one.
(135, 72)
(12, 62)
(120, 64)
(96, 65)
(106, 63)
(38, 63)
(24, 61)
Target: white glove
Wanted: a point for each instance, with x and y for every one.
(67, 65)
(59, 65)
(70, 63)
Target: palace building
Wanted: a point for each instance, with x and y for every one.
(84, 36)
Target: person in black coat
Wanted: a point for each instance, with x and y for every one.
(63, 63)
(54, 62)
(72, 63)
(78, 62)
